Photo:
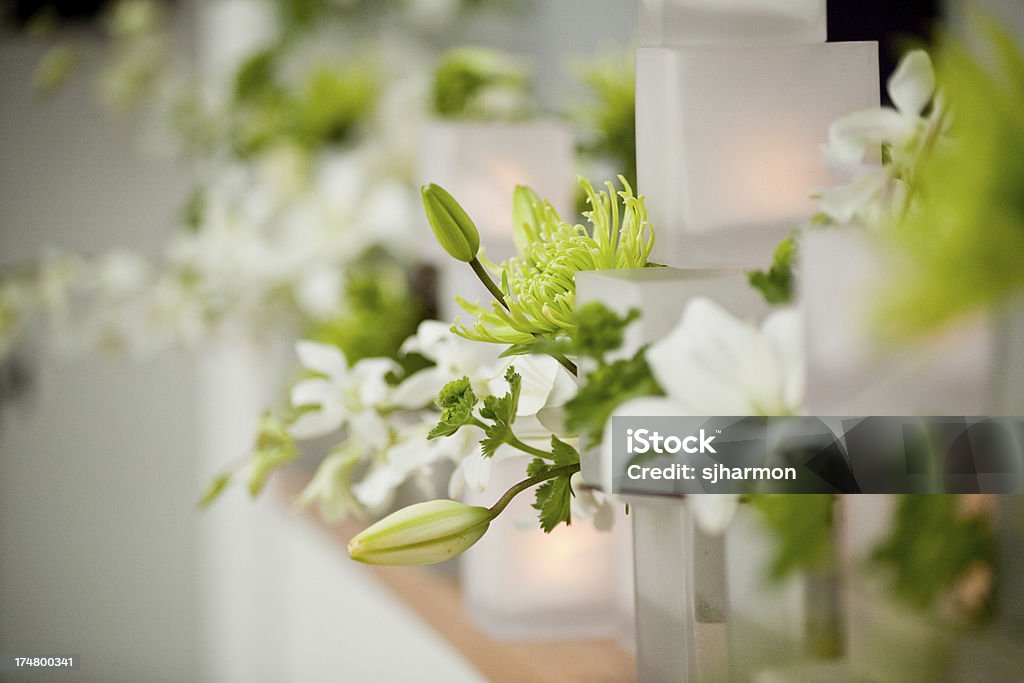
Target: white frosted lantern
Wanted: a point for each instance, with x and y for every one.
(523, 584)
(697, 22)
(729, 137)
(661, 295)
(851, 371)
(480, 164)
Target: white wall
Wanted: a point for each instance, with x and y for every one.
(97, 473)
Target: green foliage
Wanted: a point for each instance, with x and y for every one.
(501, 411)
(599, 330)
(55, 67)
(301, 14)
(554, 498)
(963, 246)
(609, 117)
(802, 524)
(326, 108)
(256, 77)
(380, 311)
(776, 284)
(456, 401)
(274, 448)
(475, 82)
(932, 545)
(605, 389)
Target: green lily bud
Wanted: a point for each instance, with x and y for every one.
(424, 533)
(525, 219)
(451, 224)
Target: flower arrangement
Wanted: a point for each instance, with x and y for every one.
(487, 408)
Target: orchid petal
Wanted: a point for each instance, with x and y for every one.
(317, 423)
(322, 358)
(784, 331)
(713, 511)
(912, 85)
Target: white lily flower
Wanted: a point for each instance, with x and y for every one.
(343, 396)
(715, 364)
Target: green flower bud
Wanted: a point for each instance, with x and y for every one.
(424, 533)
(451, 224)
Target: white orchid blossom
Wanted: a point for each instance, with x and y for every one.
(343, 396)
(391, 423)
(878, 188)
(413, 456)
(712, 363)
(453, 357)
(330, 489)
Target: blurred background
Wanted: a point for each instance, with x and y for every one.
(130, 134)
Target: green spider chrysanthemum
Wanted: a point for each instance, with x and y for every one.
(538, 284)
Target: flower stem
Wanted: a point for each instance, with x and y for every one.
(491, 286)
(525, 484)
(527, 448)
(566, 363)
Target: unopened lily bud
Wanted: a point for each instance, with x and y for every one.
(424, 533)
(451, 224)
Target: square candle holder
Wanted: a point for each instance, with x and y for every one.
(699, 22)
(729, 138)
(703, 610)
(523, 584)
(851, 372)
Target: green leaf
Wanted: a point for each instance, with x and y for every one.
(501, 411)
(536, 467)
(802, 525)
(456, 400)
(563, 453)
(214, 489)
(553, 502)
(274, 448)
(599, 330)
(776, 284)
(605, 389)
(931, 545)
